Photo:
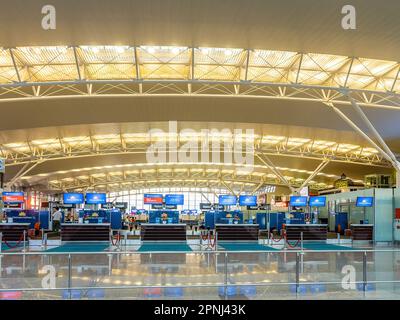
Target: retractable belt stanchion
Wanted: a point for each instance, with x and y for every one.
(1, 241)
(24, 241)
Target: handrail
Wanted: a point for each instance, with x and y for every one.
(201, 252)
(214, 285)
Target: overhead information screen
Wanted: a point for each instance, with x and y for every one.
(365, 201)
(153, 198)
(317, 201)
(176, 199)
(13, 197)
(248, 200)
(73, 198)
(227, 200)
(96, 198)
(296, 201)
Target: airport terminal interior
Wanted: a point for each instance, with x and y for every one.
(146, 155)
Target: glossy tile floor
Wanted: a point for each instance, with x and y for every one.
(129, 274)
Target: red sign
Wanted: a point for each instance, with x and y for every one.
(152, 198)
(13, 198)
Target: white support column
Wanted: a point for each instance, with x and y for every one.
(398, 179)
(376, 134)
(364, 135)
(267, 162)
(317, 170)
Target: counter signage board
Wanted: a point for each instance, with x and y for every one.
(205, 206)
(218, 207)
(121, 205)
(157, 206)
(151, 198)
(252, 207)
(227, 200)
(96, 198)
(13, 197)
(107, 205)
(174, 199)
(248, 200)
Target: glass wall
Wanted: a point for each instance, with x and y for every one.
(193, 196)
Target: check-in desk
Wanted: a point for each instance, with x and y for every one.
(362, 231)
(85, 231)
(233, 232)
(163, 232)
(14, 231)
(310, 231)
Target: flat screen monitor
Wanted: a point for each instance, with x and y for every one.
(227, 200)
(174, 199)
(298, 201)
(73, 198)
(96, 198)
(153, 198)
(317, 201)
(365, 201)
(248, 200)
(13, 197)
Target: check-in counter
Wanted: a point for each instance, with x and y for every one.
(14, 231)
(362, 231)
(85, 232)
(234, 232)
(163, 232)
(310, 231)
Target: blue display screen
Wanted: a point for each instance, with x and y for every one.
(177, 199)
(248, 200)
(227, 200)
(73, 198)
(297, 201)
(365, 201)
(96, 198)
(317, 201)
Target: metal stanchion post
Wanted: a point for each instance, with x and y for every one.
(302, 253)
(70, 276)
(338, 235)
(1, 241)
(226, 276)
(364, 271)
(297, 273)
(42, 238)
(301, 239)
(24, 249)
(216, 241)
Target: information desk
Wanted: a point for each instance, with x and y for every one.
(232, 232)
(163, 232)
(310, 231)
(85, 232)
(362, 231)
(14, 231)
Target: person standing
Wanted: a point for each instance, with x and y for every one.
(57, 219)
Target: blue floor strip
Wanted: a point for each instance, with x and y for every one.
(5, 247)
(234, 246)
(84, 247)
(151, 247)
(325, 246)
